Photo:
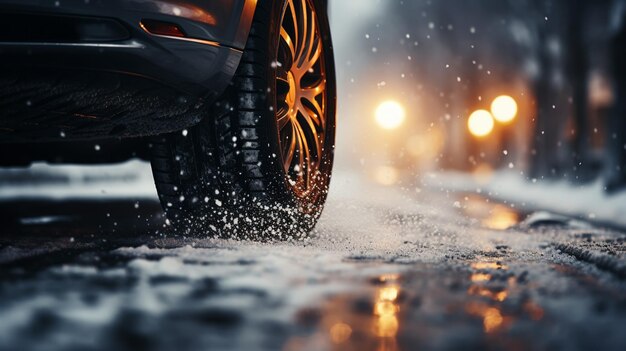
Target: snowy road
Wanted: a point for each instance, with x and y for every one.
(85, 264)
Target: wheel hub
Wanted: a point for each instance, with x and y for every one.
(293, 91)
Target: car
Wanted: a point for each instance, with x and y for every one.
(233, 102)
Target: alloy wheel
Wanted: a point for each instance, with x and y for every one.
(301, 95)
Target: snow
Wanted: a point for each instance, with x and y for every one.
(132, 179)
(588, 202)
(245, 295)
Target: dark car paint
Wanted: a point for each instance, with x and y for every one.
(141, 85)
(223, 21)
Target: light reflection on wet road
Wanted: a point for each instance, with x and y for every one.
(387, 271)
(491, 215)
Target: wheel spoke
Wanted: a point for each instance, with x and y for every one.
(310, 93)
(314, 118)
(304, 153)
(312, 105)
(282, 82)
(298, 138)
(288, 156)
(290, 45)
(314, 142)
(314, 55)
(282, 75)
(309, 119)
(294, 18)
(309, 42)
(282, 116)
(317, 108)
(303, 25)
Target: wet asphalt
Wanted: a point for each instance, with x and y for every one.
(83, 267)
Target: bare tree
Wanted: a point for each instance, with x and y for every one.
(616, 177)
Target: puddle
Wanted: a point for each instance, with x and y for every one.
(489, 213)
(472, 308)
(359, 322)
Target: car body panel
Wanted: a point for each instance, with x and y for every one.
(141, 83)
(222, 21)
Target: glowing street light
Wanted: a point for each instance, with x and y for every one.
(504, 109)
(480, 123)
(390, 115)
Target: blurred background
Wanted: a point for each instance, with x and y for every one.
(531, 88)
(481, 126)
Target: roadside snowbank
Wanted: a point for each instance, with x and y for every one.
(587, 201)
(132, 179)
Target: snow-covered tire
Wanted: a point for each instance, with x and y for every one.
(228, 176)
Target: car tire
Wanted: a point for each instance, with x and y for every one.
(237, 173)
